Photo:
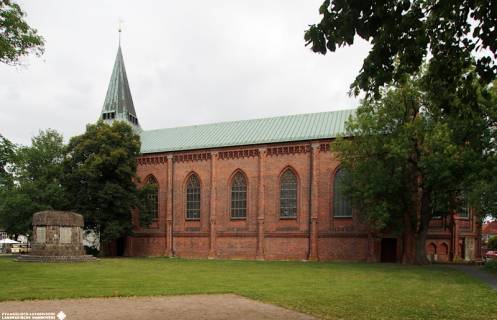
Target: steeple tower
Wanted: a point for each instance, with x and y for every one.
(118, 104)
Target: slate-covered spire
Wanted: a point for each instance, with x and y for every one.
(118, 104)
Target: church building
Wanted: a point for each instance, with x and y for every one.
(266, 188)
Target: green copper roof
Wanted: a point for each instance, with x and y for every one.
(300, 127)
(118, 104)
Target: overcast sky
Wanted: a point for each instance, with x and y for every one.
(188, 62)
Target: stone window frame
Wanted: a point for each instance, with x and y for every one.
(339, 203)
(238, 173)
(286, 170)
(188, 201)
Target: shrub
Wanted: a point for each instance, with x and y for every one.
(491, 265)
(92, 250)
(492, 243)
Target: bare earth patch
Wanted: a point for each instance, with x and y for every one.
(198, 307)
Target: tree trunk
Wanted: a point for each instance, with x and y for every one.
(416, 223)
(422, 230)
(408, 241)
(420, 250)
(414, 246)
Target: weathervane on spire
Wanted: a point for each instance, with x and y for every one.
(120, 22)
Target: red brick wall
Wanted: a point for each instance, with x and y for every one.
(343, 248)
(216, 235)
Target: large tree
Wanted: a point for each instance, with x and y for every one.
(403, 33)
(100, 178)
(409, 161)
(17, 38)
(455, 43)
(35, 172)
(7, 151)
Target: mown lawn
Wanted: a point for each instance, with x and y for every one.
(326, 290)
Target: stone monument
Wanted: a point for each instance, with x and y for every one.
(57, 237)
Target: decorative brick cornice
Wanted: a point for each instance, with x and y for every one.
(231, 154)
(324, 147)
(276, 151)
(185, 157)
(151, 160)
(237, 154)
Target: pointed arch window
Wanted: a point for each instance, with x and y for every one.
(193, 198)
(342, 206)
(288, 194)
(239, 196)
(153, 197)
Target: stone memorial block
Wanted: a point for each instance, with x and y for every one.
(57, 238)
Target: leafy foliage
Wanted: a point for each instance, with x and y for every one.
(100, 175)
(36, 173)
(491, 265)
(492, 243)
(404, 33)
(7, 151)
(148, 202)
(17, 38)
(411, 161)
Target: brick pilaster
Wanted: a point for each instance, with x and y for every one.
(169, 210)
(260, 206)
(313, 254)
(212, 209)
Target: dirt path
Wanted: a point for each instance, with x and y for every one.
(198, 307)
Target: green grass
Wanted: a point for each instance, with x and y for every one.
(327, 290)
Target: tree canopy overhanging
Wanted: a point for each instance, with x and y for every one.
(405, 33)
(17, 38)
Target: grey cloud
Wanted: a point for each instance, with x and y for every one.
(187, 63)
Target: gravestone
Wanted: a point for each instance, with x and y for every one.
(57, 237)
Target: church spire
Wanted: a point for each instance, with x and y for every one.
(118, 104)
